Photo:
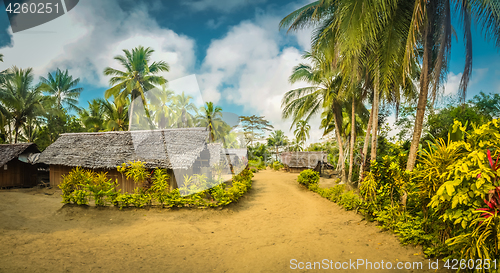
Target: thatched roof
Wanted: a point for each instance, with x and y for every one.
(170, 148)
(303, 159)
(215, 153)
(11, 151)
(239, 152)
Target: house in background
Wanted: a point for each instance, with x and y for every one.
(17, 168)
(181, 151)
(299, 161)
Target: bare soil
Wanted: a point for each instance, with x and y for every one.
(275, 222)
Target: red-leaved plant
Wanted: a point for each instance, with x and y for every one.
(493, 200)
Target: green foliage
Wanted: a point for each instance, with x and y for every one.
(161, 186)
(308, 178)
(72, 182)
(79, 184)
(100, 187)
(134, 170)
(258, 164)
(433, 163)
(349, 200)
(484, 240)
(470, 178)
(277, 165)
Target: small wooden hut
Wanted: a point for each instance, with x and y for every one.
(16, 168)
(299, 161)
(180, 151)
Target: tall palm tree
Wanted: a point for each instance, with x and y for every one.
(277, 139)
(431, 29)
(366, 38)
(185, 111)
(302, 131)
(62, 87)
(20, 99)
(138, 77)
(212, 119)
(322, 96)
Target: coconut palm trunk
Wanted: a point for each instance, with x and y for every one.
(131, 112)
(376, 98)
(337, 120)
(422, 97)
(353, 138)
(365, 148)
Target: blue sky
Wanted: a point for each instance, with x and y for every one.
(240, 58)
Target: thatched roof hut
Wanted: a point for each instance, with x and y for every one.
(298, 161)
(16, 169)
(168, 149)
(178, 150)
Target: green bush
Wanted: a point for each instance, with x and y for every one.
(349, 200)
(277, 165)
(308, 178)
(81, 184)
(75, 181)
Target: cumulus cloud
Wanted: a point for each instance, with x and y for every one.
(250, 67)
(452, 83)
(86, 39)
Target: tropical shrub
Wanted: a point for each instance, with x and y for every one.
(160, 186)
(135, 170)
(277, 165)
(100, 187)
(349, 200)
(72, 182)
(257, 164)
(308, 178)
(472, 177)
(79, 184)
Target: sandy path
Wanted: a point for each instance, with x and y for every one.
(275, 222)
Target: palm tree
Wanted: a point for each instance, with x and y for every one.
(161, 106)
(431, 29)
(367, 39)
(302, 131)
(19, 98)
(138, 77)
(296, 145)
(63, 88)
(324, 95)
(185, 111)
(212, 119)
(277, 139)
(93, 118)
(116, 114)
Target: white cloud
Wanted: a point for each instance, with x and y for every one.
(215, 23)
(87, 38)
(249, 68)
(452, 83)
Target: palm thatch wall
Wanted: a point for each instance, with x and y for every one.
(13, 171)
(299, 161)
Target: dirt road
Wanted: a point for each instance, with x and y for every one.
(275, 222)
